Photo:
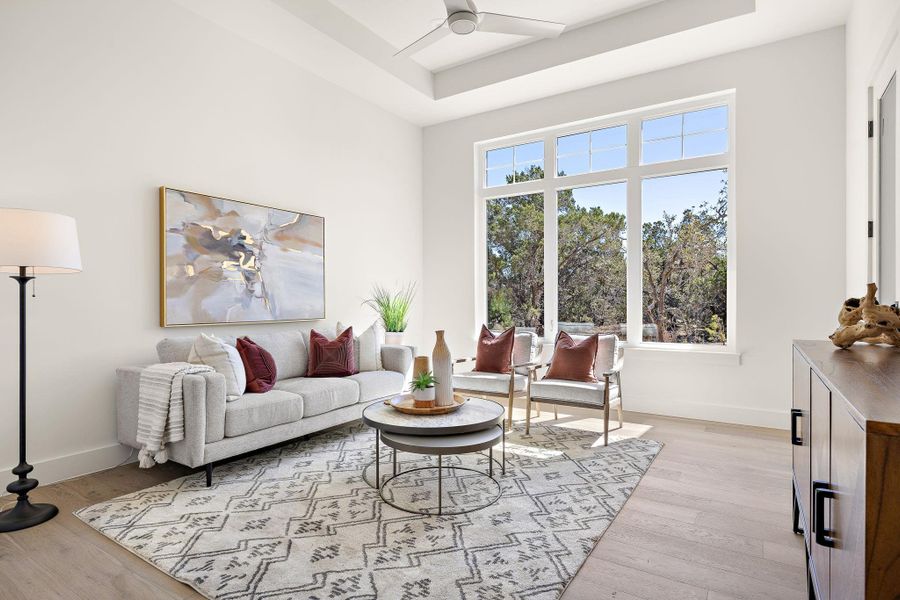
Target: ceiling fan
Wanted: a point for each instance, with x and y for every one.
(463, 18)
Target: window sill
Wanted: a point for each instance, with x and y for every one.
(692, 354)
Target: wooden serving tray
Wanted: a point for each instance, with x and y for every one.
(405, 404)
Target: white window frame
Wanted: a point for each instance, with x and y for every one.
(633, 173)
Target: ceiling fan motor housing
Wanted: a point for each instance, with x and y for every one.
(463, 22)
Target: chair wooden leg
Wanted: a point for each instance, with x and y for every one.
(606, 424)
(621, 421)
(537, 406)
(209, 469)
(527, 414)
(555, 413)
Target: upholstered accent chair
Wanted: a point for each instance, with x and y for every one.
(602, 394)
(501, 386)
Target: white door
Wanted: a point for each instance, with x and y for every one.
(887, 194)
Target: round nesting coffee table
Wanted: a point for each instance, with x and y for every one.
(476, 426)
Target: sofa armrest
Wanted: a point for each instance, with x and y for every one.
(398, 358)
(204, 412)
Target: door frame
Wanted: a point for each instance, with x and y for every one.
(886, 67)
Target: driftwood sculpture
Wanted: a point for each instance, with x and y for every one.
(864, 320)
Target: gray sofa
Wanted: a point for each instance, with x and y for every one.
(216, 430)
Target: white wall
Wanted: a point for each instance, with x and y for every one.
(789, 189)
(101, 102)
(871, 25)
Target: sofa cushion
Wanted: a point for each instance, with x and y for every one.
(582, 392)
(331, 358)
(252, 412)
(289, 351)
(494, 352)
(489, 383)
(607, 352)
(321, 394)
(367, 346)
(573, 360)
(259, 365)
(224, 358)
(378, 384)
(177, 349)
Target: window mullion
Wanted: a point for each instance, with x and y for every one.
(551, 240)
(633, 309)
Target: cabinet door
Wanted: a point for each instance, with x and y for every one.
(820, 471)
(800, 435)
(848, 507)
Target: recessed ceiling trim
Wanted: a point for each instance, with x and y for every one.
(352, 34)
(627, 29)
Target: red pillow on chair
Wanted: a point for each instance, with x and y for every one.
(331, 358)
(259, 365)
(494, 352)
(573, 361)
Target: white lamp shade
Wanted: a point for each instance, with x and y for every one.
(41, 241)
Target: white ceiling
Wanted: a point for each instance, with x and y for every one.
(357, 52)
(401, 22)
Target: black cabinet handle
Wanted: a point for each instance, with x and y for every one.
(824, 537)
(796, 413)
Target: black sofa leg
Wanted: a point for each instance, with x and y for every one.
(209, 468)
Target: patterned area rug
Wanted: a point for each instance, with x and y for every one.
(300, 521)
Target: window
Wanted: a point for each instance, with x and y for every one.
(514, 164)
(592, 251)
(640, 240)
(515, 262)
(684, 257)
(591, 151)
(685, 135)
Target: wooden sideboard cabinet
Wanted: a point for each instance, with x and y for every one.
(845, 432)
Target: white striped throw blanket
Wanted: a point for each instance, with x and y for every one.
(161, 409)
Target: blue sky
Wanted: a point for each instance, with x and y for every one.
(671, 194)
(668, 138)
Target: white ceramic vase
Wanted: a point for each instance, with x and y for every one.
(393, 338)
(442, 367)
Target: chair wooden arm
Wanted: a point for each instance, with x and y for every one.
(615, 370)
(528, 365)
(462, 360)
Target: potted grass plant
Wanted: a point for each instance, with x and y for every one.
(423, 389)
(393, 309)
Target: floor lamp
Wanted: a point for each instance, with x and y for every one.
(32, 243)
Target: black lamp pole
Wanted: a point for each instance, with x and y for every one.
(24, 514)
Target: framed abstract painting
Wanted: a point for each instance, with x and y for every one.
(225, 261)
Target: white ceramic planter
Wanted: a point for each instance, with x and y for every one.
(423, 395)
(393, 338)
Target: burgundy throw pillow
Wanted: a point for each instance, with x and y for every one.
(494, 352)
(573, 361)
(331, 358)
(259, 365)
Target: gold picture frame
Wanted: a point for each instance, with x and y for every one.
(237, 259)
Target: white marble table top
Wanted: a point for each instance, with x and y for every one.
(476, 414)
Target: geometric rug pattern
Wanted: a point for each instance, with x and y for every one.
(300, 522)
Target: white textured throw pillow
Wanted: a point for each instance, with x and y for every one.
(224, 358)
(368, 346)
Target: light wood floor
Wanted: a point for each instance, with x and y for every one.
(710, 520)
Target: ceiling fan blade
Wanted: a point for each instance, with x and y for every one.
(426, 40)
(494, 23)
(459, 6)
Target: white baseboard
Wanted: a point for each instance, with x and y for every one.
(60, 468)
(723, 413)
(90, 461)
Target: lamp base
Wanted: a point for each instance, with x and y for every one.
(25, 514)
